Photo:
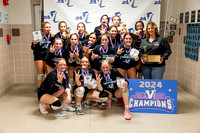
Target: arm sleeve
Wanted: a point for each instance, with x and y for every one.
(166, 49)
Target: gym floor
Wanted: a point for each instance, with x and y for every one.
(19, 113)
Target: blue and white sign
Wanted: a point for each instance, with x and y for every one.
(153, 96)
(90, 12)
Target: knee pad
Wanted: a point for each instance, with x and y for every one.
(40, 76)
(71, 82)
(56, 105)
(80, 91)
(103, 94)
(125, 92)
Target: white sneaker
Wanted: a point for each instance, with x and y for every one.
(43, 109)
(86, 103)
(66, 107)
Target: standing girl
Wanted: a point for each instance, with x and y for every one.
(40, 51)
(81, 31)
(64, 32)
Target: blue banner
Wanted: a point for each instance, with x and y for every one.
(153, 96)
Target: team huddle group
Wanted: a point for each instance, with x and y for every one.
(93, 67)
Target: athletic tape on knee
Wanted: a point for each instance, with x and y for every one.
(80, 91)
(56, 105)
(125, 92)
(40, 76)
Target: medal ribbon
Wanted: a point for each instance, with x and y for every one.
(128, 50)
(84, 72)
(62, 74)
(47, 37)
(107, 76)
(75, 49)
(102, 49)
(113, 44)
(81, 36)
(59, 52)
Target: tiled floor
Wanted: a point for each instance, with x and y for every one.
(19, 113)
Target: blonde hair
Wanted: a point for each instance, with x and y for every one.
(42, 27)
(66, 30)
(86, 33)
(154, 26)
(106, 61)
(57, 38)
(60, 59)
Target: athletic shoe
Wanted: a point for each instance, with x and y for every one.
(108, 104)
(79, 110)
(86, 103)
(43, 109)
(127, 114)
(120, 101)
(102, 99)
(62, 113)
(66, 107)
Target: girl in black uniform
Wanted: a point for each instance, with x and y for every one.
(55, 53)
(89, 44)
(86, 89)
(115, 84)
(54, 85)
(125, 64)
(64, 32)
(103, 28)
(139, 37)
(73, 55)
(81, 31)
(114, 38)
(122, 30)
(102, 52)
(41, 50)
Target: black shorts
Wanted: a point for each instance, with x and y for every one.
(112, 91)
(39, 57)
(40, 94)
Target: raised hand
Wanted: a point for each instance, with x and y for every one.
(59, 76)
(120, 51)
(52, 48)
(98, 79)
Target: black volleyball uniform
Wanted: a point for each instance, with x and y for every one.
(114, 42)
(83, 37)
(68, 49)
(50, 84)
(109, 81)
(41, 49)
(53, 57)
(96, 30)
(83, 73)
(159, 46)
(103, 53)
(124, 61)
(64, 40)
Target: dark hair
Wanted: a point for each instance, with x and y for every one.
(117, 17)
(94, 34)
(103, 16)
(132, 36)
(113, 26)
(139, 22)
(107, 35)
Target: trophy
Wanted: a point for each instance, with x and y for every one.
(150, 58)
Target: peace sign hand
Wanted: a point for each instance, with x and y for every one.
(77, 53)
(71, 55)
(59, 76)
(77, 75)
(120, 51)
(98, 79)
(52, 48)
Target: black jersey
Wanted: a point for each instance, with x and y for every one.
(41, 49)
(109, 81)
(83, 73)
(83, 37)
(103, 54)
(64, 40)
(124, 60)
(53, 57)
(50, 84)
(68, 49)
